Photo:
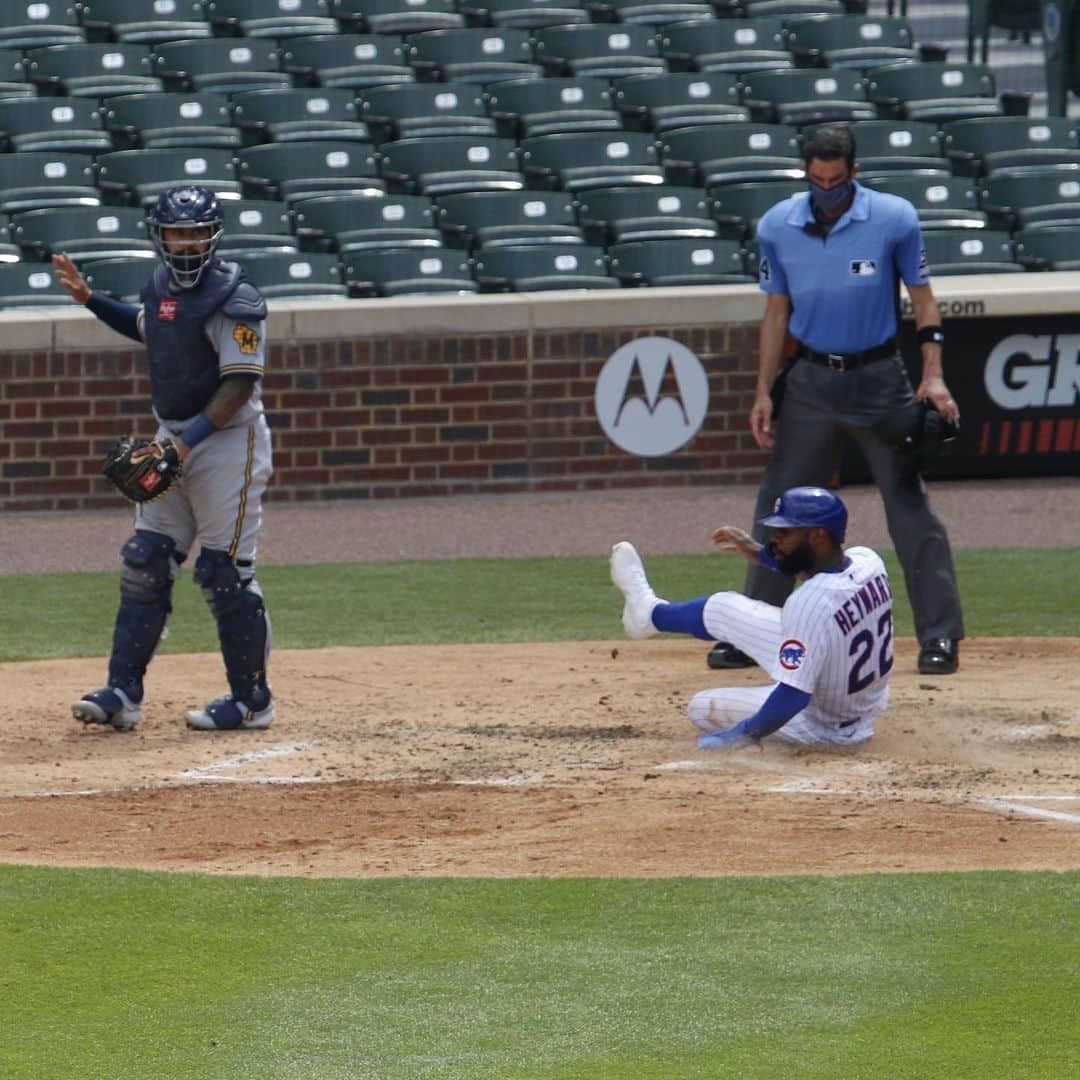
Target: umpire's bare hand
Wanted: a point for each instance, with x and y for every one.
(67, 273)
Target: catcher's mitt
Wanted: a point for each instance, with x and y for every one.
(149, 477)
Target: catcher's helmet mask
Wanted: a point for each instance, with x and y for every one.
(809, 508)
(187, 207)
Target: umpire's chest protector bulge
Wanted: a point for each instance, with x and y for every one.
(183, 365)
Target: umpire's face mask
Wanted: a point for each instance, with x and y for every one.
(830, 200)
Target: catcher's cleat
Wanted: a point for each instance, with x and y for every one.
(725, 657)
(109, 706)
(228, 714)
(628, 573)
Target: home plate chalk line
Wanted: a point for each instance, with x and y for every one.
(215, 770)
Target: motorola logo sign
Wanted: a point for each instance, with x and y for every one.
(652, 396)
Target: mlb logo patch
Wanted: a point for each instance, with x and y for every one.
(166, 311)
(792, 654)
(863, 267)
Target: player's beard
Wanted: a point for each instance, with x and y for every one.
(799, 560)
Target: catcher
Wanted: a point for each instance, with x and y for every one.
(203, 475)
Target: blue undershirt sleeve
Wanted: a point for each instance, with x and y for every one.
(777, 709)
(121, 317)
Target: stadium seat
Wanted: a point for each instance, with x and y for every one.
(307, 170)
(807, 96)
(1017, 16)
(608, 51)
(851, 41)
(447, 165)
(86, 233)
(13, 82)
(354, 61)
(280, 275)
(938, 92)
(650, 12)
(145, 21)
(1049, 249)
(163, 121)
(490, 219)
(39, 180)
(120, 278)
(419, 110)
(524, 14)
(139, 176)
(746, 152)
(942, 203)
(413, 272)
(755, 9)
(31, 285)
(31, 24)
(358, 223)
(475, 54)
(271, 18)
(71, 124)
(896, 147)
(680, 99)
(726, 45)
(1012, 145)
(254, 225)
(966, 251)
(737, 208)
(540, 268)
(92, 70)
(1037, 200)
(9, 252)
(679, 261)
(299, 115)
(619, 215)
(227, 65)
(398, 16)
(576, 162)
(527, 107)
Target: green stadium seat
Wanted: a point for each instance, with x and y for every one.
(277, 19)
(807, 96)
(746, 152)
(726, 45)
(680, 99)
(1041, 199)
(452, 164)
(851, 41)
(1049, 249)
(31, 24)
(527, 107)
(145, 21)
(1019, 17)
(255, 225)
(610, 51)
(39, 180)
(358, 223)
(970, 251)
(524, 14)
(280, 275)
(165, 121)
(541, 268)
(942, 202)
(31, 285)
(299, 115)
(936, 92)
(410, 272)
(120, 278)
(420, 110)
(353, 61)
(737, 208)
(398, 16)
(1012, 145)
(650, 12)
(487, 219)
(577, 162)
(92, 70)
(307, 170)
(620, 215)
(754, 9)
(895, 147)
(473, 55)
(62, 124)
(139, 176)
(227, 65)
(13, 82)
(86, 233)
(679, 261)
(9, 252)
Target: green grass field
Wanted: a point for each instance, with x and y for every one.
(125, 975)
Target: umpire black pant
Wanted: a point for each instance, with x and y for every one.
(819, 404)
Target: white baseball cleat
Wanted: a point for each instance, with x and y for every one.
(109, 706)
(628, 573)
(228, 714)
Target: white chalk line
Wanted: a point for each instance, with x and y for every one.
(1029, 811)
(207, 772)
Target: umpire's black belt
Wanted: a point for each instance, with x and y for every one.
(847, 361)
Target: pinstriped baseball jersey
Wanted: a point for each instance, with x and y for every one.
(836, 639)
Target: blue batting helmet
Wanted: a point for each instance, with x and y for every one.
(809, 508)
(189, 206)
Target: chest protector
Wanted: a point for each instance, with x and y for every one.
(183, 364)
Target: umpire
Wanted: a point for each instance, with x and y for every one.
(830, 264)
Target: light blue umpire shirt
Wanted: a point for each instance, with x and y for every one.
(842, 287)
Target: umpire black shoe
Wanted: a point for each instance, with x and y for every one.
(938, 656)
(725, 657)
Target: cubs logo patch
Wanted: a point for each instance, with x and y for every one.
(166, 311)
(863, 267)
(246, 338)
(792, 654)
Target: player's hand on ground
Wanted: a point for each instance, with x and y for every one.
(761, 422)
(729, 739)
(732, 538)
(937, 393)
(67, 273)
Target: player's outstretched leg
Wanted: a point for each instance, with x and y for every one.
(628, 574)
(244, 635)
(145, 602)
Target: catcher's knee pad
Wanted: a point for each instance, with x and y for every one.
(146, 576)
(243, 626)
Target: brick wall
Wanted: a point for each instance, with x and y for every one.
(386, 416)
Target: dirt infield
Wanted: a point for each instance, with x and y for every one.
(543, 759)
